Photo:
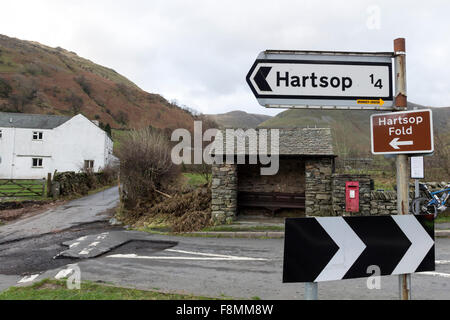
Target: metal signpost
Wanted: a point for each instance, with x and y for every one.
(417, 173)
(351, 81)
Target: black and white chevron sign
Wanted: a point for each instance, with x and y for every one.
(336, 248)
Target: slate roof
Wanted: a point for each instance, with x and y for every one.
(304, 141)
(31, 121)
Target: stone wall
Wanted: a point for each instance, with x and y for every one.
(370, 202)
(324, 190)
(224, 193)
(318, 173)
(289, 179)
(383, 202)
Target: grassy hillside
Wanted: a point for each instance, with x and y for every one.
(239, 119)
(38, 79)
(351, 129)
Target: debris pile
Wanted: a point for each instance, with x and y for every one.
(188, 210)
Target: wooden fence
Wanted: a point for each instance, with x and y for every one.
(11, 188)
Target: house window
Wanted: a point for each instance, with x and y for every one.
(37, 135)
(89, 164)
(37, 162)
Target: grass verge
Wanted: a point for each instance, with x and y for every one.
(56, 290)
(443, 219)
(195, 179)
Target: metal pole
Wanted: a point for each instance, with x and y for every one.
(416, 188)
(416, 181)
(402, 160)
(311, 291)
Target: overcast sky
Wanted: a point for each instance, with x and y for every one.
(199, 52)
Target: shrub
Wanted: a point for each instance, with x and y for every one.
(146, 168)
(84, 84)
(23, 97)
(75, 102)
(5, 88)
(121, 117)
(108, 130)
(31, 69)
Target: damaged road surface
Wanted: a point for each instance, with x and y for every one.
(93, 208)
(42, 252)
(29, 245)
(95, 245)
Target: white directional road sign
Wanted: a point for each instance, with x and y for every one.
(340, 80)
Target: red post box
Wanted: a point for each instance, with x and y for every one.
(352, 196)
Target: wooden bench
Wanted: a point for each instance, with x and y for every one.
(272, 201)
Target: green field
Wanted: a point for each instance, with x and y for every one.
(57, 290)
(195, 179)
(117, 136)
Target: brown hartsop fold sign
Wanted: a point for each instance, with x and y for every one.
(402, 132)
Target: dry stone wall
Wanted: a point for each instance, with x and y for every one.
(318, 172)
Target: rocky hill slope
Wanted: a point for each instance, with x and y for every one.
(38, 79)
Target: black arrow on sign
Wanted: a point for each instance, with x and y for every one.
(306, 239)
(260, 78)
(386, 245)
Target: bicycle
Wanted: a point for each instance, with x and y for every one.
(433, 202)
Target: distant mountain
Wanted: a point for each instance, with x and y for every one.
(239, 119)
(351, 129)
(38, 79)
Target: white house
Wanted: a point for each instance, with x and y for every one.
(32, 145)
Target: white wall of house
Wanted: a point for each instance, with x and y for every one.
(64, 148)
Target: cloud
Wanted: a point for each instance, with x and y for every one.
(199, 52)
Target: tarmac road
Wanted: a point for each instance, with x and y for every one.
(219, 267)
(85, 210)
(238, 268)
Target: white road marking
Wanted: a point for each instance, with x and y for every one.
(82, 238)
(29, 279)
(74, 244)
(208, 254)
(134, 256)
(204, 256)
(89, 248)
(436, 274)
(102, 236)
(63, 273)
(442, 261)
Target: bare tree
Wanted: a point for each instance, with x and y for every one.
(204, 169)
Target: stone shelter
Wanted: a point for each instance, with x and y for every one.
(302, 186)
